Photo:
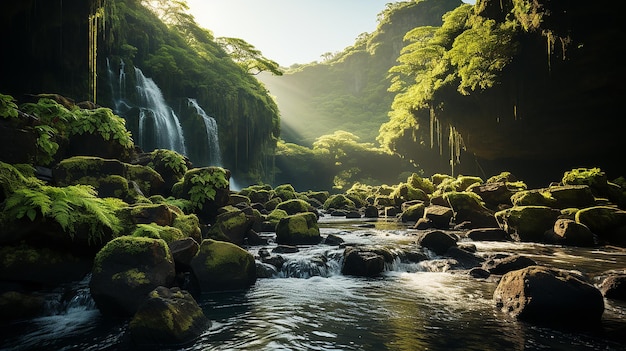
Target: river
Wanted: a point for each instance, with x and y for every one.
(310, 305)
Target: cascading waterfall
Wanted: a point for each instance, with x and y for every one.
(120, 105)
(159, 127)
(214, 155)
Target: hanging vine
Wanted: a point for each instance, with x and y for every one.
(96, 24)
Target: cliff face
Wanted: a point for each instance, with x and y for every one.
(560, 98)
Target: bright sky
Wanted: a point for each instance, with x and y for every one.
(290, 31)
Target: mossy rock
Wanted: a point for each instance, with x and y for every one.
(320, 196)
(566, 196)
(149, 181)
(339, 202)
(275, 216)
(298, 229)
(413, 213)
(527, 223)
(272, 203)
(438, 178)
(208, 189)
(15, 306)
(424, 184)
(463, 182)
(170, 165)
(285, 192)
(405, 192)
(608, 223)
(154, 231)
(161, 214)
(236, 199)
(295, 206)
(221, 265)
(503, 177)
(189, 225)
(126, 270)
(595, 178)
(535, 197)
(469, 207)
(231, 225)
(41, 265)
(167, 317)
(70, 170)
(258, 195)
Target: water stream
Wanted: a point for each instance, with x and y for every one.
(310, 305)
(214, 155)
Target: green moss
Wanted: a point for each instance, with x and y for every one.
(154, 231)
(131, 246)
(294, 206)
(297, 229)
(204, 183)
(533, 198)
(25, 254)
(221, 254)
(144, 176)
(339, 201)
(189, 225)
(418, 182)
(13, 177)
(285, 192)
(464, 200)
(405, 192)
(132, 277)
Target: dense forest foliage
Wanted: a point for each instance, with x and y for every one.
(52, 50)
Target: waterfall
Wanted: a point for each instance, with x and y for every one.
(214, 154)
(118, 90)
(159, 127)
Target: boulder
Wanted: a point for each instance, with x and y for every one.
(439, 216)
(464, 258)
(494, 194)
(232, 225)
(508, 264)
(170, 165)
(338, 201)
(614, 287)
(221, 265)
(569, 232)
(413, 213)
(572, 196)
(527, 223)
(608, 223)
(549, 295)
(74, 169)
(208, 189)
(468, 206)
(126, 270)
(183, 251)
(40, 265)
(168, 317)
(150, 182)
(15, 305)
(371, 212)
(294, 206)
(298, 229)
(405, 192)
(362, 262)
(488, 234)
(436, 241)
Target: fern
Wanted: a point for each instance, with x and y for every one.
(204, 185)
(8, 108)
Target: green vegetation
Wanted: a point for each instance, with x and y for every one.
(204, 184)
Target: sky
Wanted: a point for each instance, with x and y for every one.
(290, 31)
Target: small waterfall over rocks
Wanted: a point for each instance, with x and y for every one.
(159, 127)
(214, 155)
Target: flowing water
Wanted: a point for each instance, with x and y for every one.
(214, 155)
(310, 305)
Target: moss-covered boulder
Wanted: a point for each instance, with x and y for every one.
(208, 189)
(298, 229)
(549, 295)
(231, 225)
(149, 181)
(339, 202)
(170, 165)
(70, 171)
(126, 270)
(461, 183)
(285, 192)
(362, 262)
(534, 197)
(295, 206)
(41, 265)
(221, 265)
(527, 223)
(405, 192)
(168, 317)
(439, 216)
(152, 230)
(568, 196)
(320, 196)
(495, 194)
(257, 193)
(608, 223)
(424, 184)
(413, 212)
(160, 214)
(15, 305)
(468, 206)
(595, 178)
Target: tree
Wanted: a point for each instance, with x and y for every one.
(248, 56)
